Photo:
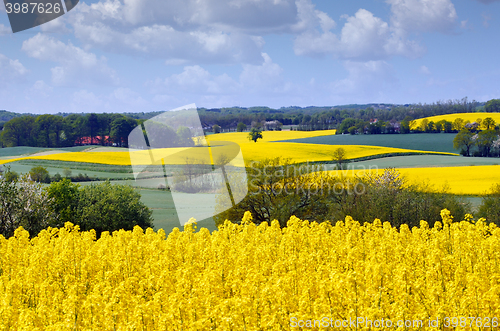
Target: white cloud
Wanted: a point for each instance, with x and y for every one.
(76, 66)
(486, 20)
(211, 31)
(4, 30)
(363, 37)
(424, 70)
(194, 80)
(11, 70)
(423, 15)
(371, 81)
(57, 25)
(198, 83)
(40, 88)
(266, 77)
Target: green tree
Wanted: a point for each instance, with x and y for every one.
(9, 175)
(39, 174)
(19, 132)
(93, 126)
(492, 106)
(339, 156)
(489, 123)
(458, 124)
(463, 141)
(490, 205)
(278, 189)
(390, 197)
(485, 141)
(185, 136)
(67, 172)
(241, 127)
(65, 200)
(216, 128)
(120, 130)
(405, 124)
(107, 207)
(255, 134)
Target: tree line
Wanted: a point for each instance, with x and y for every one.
(65, 130)
(324, 118)
(75, 129)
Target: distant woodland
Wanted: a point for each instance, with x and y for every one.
(65, 130)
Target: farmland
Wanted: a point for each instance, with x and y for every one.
(419, 157)
(472, 117)
(442, 143)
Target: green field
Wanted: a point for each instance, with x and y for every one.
(419, 161)
(162, 205)
(434, 142)
(101, 171)
(26, 150)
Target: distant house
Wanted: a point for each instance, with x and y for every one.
(272, 125)
(95, 141)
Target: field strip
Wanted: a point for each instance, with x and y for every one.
(467, 180)
(242, 137)
(472, 117)
(298, 152)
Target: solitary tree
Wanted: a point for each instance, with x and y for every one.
(216, 128)
(255, 134)
(464, 141)
(339, 156)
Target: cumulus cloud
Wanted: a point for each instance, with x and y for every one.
(4, 30)
(363, 37)
(76, 66)
(197, 82)
(370, 81)
(423, 15)
(11, 70)
(42, 89)
(211, 31)
(424, 70)
(194, 80)
(488, 1)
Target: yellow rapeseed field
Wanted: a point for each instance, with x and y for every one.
(251, 151)
(467, 180)
(473, 180)
(248, 277)
(242, 137)
(472, 117)
(299, 152)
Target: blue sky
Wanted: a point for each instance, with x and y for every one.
(138, 55)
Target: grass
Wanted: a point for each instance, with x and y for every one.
(163, 207)
(433, 142)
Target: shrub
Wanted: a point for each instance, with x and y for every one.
(102, 207)
(39, 174)
(24, 203)
(490, 206)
